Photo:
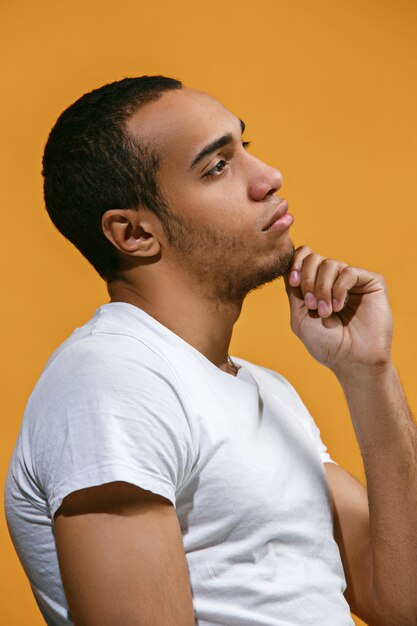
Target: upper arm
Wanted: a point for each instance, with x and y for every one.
(122, 559)
(353, 535)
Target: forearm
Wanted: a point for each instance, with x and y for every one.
(387, 437)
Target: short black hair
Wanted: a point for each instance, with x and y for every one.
(91, 164)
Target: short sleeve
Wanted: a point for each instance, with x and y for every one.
(109, 409)
(321, 447)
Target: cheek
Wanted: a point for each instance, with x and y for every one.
(222, 202)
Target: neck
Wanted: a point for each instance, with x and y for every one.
(186, 309)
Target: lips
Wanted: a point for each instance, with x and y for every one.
(279, 212)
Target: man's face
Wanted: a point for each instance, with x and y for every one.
(220, 197)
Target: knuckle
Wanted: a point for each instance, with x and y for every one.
(308, 258)
(300, 256)
(302, 249)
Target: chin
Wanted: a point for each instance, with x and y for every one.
(285, 244)
(281, 264)
(266, 273)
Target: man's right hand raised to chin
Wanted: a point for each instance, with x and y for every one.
(342, 316)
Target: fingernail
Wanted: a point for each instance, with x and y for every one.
(310, 300)
(323, 309)
(294, 277)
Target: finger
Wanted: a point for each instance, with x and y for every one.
(294, 274)
(308, 273)
(327, 274)
(349, 278)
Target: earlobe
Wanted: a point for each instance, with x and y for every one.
(129, 233)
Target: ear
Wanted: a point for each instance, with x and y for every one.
(131, 232)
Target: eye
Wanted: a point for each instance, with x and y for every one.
(221, 165)
(217, 169)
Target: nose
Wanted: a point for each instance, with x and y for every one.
(264, 180)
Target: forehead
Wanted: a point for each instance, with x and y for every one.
(181, 121)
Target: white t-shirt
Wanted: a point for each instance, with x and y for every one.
(126, 399)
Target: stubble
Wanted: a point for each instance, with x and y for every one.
(221, 265)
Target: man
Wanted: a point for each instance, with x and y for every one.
(160, 482)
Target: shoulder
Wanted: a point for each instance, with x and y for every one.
(96, 372)
(95, 355)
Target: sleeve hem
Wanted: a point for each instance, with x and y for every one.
(93, 477)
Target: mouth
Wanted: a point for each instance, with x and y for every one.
(278, 213)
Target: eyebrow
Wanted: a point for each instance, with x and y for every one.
(215, 145)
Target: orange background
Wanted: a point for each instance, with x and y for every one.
(328, 92)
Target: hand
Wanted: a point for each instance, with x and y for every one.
(340, 313)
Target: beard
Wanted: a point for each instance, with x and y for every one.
(222, 266)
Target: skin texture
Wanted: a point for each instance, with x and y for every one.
(195, 286)
(122, 558)
(221, 252)
(346, 324)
